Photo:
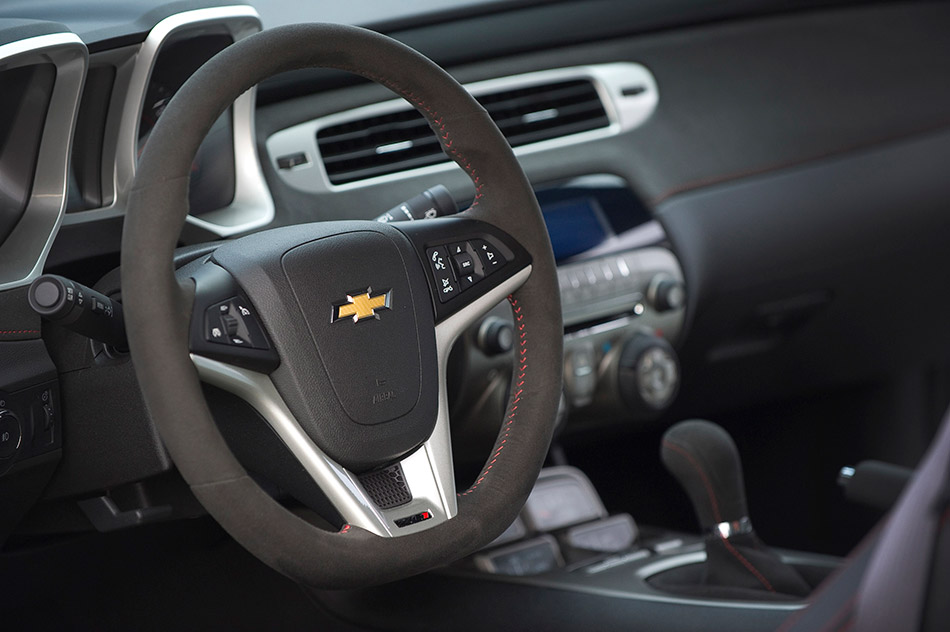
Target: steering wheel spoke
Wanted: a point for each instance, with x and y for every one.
(465, 259)
(403, 498)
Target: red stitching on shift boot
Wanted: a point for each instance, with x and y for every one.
(434, 118)
(748, 565)
(718, 517)
(516, 396)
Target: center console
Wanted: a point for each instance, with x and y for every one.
(565, 539)
(566, 564)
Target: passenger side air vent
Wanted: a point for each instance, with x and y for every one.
(398, 141)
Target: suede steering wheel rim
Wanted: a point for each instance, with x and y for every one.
(158, 308)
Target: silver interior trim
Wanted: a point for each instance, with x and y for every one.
(726, 530)
(252, 206)
(23, 253)
(428, 471)
(627, 579)
(624, 112)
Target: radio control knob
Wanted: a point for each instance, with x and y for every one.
(666, 293)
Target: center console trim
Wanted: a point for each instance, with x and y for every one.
(576, 580)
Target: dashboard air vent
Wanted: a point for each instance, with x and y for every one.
(397, 141)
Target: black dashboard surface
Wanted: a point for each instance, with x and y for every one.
(795, 159)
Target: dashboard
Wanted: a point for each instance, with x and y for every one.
(623, 293)
(706, 252)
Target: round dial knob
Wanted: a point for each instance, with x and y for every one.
(495, 336)
(9, 434)
(648, 374)
(666, 293)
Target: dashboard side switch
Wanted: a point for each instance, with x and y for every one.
(10, 434)
(292, 160)
(48, 417)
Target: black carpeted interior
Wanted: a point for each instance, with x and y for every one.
(186, 575)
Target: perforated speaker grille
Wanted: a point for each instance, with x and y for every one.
(387, 488)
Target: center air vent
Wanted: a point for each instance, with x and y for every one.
(397, 141)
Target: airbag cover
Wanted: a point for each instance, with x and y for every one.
(362, 320)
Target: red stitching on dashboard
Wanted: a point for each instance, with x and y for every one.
(20, 331)
(435, 119)
(516, 396)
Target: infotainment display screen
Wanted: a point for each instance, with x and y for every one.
(575, 226)
(592, 214)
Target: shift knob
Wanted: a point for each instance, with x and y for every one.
(704, 459)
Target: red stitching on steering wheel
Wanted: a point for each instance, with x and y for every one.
(519, 384)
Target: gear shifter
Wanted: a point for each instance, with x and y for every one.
(704, 459)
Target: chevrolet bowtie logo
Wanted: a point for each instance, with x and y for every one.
(360, 306)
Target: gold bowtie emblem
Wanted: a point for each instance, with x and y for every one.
(360, 306)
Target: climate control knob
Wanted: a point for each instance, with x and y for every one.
(648, 374)
(495, 336)
(666, 293)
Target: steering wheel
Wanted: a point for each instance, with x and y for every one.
(338, 333)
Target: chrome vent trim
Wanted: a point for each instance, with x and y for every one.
(398, 141)
(252, 206)
(23, 253)
(610, 99)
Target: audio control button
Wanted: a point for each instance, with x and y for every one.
(491, 257)
(445, 285)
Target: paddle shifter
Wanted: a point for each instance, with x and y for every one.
(703, 458)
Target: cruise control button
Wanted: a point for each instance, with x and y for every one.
(232, 322)
(491, 257)
(215, 332)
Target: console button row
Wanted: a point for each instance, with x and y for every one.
(457, 267)
(232, 322)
